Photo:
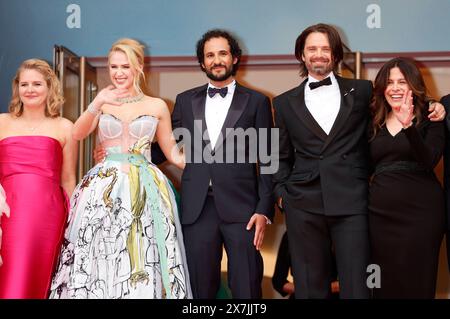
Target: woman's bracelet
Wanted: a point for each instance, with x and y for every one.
(93, 110)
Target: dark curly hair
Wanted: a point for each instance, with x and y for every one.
(235, 50)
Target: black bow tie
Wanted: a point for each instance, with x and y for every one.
(213, 91)
(315, 85)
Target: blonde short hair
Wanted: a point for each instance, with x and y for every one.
(134, 51)
(54, 97)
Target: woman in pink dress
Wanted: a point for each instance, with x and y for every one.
(37, 172)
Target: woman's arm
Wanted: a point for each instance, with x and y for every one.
(70, 152)
(427, 149)
(4, 209)
(165, 137)
(87, 122)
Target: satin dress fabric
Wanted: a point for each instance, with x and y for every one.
(30, 173)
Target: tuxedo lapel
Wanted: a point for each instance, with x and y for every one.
(198, 109)
(347, 101)
(297, 103)
(240, 100)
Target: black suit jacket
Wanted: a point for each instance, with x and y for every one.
(320, 173)
(239, 189)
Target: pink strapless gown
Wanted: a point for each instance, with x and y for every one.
(30, 172)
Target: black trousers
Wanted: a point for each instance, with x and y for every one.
(312, 238)
(204, 241)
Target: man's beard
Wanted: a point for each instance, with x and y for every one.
(219, 78)
(324, 69)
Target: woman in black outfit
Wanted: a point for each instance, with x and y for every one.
(406, 202)
(445, 101)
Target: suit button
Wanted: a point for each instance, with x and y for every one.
(321, 157)
(344, 156)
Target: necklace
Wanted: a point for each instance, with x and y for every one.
(34, 127)
(131, 99)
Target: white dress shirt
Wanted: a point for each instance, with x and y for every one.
(216, 110)
(323, 102)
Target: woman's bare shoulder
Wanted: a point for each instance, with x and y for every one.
(5, 116)
(155, 106)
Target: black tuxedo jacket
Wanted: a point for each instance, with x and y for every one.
(238, 187)
(320, 173)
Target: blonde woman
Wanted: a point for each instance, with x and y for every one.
(37, 171)
(124, 235)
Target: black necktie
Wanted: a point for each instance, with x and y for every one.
(315, 85)
(213, 91)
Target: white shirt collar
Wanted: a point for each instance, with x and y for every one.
(324, 102)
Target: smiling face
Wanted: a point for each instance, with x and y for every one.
(317, 55)
(396, 88)
(218, 61)
(121, 71)
(33, 88)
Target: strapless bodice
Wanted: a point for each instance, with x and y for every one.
(38, 155)
(110, 127)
